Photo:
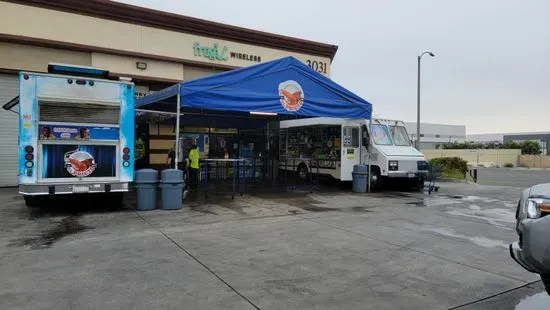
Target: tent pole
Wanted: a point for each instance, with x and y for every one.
(177, 148)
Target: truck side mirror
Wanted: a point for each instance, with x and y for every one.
(365, 136)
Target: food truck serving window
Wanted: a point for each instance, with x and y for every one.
(351, 136)
(79, 113)
(380, 134)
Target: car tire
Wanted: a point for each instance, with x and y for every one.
(546, 281)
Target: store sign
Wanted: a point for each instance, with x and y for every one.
(214, 52)
(247, 57)
(217, 52)
(318, 66)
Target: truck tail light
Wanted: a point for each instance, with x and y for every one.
(29, 157)
(126, 157)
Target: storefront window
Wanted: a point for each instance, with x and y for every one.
(400, 136)
(380, 134)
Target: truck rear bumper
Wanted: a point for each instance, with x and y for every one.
(60, 189)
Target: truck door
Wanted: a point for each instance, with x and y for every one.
(351, 154)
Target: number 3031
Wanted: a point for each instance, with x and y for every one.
(318, 66)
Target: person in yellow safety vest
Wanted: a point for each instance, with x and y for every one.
(193, 160)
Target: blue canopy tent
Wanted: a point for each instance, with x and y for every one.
(284, 86)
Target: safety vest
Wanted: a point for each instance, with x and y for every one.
(194, 158)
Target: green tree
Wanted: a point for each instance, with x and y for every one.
(511, 145)
(530, 148)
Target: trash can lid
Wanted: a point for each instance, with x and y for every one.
(146, 175)
(361, 168)
(171, 176)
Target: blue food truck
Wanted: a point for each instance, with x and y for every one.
(76, 132)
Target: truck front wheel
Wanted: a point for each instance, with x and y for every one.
(417, 183)
(375, 178)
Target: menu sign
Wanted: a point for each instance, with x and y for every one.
(61, 132)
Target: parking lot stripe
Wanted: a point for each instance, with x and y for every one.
(201, 263)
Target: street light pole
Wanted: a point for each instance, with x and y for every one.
(418, 100)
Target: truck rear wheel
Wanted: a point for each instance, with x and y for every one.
(110, 200)
(303, 172)
(32, 201)
(117, 200)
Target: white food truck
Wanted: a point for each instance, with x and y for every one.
(76, 133)
(332, 146)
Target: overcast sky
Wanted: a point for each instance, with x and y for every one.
(492, 66)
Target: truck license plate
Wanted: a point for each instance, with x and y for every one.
(411, 175)
(81, 189)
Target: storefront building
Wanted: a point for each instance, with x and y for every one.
(156, 49)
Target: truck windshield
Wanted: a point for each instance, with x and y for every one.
(400, 136)
(380, 134)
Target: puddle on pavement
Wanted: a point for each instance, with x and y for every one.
(313, 208)
(391, 194)
(234, 207)
(309, 204)
(480, 241)
(535, 302)
(300, 202)
(440, 200)
(202, 209)
(68, 226)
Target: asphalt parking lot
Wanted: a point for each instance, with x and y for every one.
(332, 250)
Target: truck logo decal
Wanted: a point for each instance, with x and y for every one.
(291, 95)
(79, 163)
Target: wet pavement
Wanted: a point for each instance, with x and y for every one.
(270, 250)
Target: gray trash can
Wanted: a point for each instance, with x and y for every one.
(146, 187)
(171, 184)
(360, 176)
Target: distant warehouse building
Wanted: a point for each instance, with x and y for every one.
(542, 138)
(434, 136)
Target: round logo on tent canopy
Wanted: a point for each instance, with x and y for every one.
(291, 95)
